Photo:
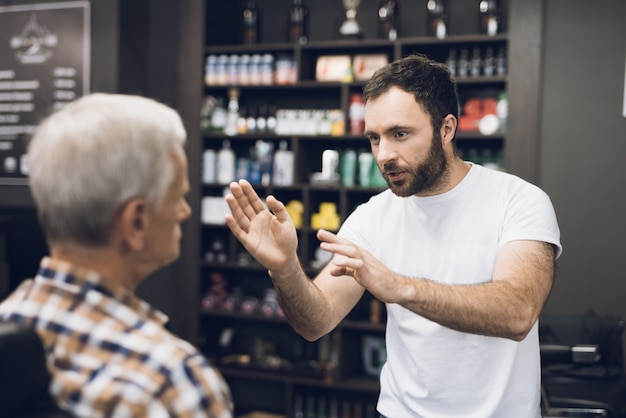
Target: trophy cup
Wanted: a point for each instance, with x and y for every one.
(350, 27)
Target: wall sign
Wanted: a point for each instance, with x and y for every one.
(44, 64)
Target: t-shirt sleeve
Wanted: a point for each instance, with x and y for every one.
(353, 228)
(530, 215)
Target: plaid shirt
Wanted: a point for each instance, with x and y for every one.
(108, 351)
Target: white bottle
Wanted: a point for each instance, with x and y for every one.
(208, 166)
(233, 113)
(283, 166)
(225, 164)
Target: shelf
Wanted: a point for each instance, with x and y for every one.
(455, 39)
(362, 326)
(305, 188)
(481, 80)
(231, 266)
(356, 44)
(256, 48)
(325, 138)
(313, 84)
(271, 136)
(365, 384)
(15, 194)
(307, 94)
(243, 316)
(304, 84)
(346, 324)
(475, 135)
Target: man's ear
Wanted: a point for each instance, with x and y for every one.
(448, 129)
(133, 221)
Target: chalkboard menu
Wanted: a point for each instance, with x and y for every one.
(44, 64)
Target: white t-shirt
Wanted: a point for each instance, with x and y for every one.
(433, 371)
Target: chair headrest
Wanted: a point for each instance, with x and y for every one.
(24, 376)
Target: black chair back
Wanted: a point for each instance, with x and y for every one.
(24, 377)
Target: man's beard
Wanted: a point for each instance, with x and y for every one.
(425, 176)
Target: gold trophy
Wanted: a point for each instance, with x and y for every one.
(350, 27)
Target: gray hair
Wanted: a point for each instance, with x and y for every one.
(95, 154)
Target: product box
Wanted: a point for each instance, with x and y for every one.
(334, 68)
(364, 65)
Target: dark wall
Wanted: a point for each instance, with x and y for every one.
(153, 43)
(24, 243)
(583, 146)
(134, 51)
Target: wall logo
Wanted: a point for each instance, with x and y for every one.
(34, 45)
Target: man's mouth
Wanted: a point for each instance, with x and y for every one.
(394, 176)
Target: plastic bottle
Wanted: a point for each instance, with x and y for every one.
(244, 70)
(225, 164)
(376, 177)
(218, 117)
(261, 120)
(251, 24)
(464, 64)
(267, 69)
(210, 70)
(357, 114)
(437, 18)
(255, 173)
(242, 170)
(269, 303)
(242, 124)
(298, 30)
(232, 70)
(476, 62)
(264, 151)
(489, 16)
(366, 160)
(251, 127)
(388, 18)
(490, 63)
(451, 62)
(221, 70)
(283, 165)
(501, 63)
(233, 112)
(271, 120)
(254, 69)
(348, 168)
(208, 166)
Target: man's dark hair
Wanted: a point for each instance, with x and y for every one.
(429, 81)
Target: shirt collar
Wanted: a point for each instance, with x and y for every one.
(78, 279)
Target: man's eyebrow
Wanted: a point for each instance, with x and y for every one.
(390, 129)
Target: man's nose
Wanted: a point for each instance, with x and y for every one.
(386, 151)
(185, 210)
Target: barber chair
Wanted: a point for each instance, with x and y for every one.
(582, 366)
(24, 377)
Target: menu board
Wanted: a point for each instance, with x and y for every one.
(44, 64)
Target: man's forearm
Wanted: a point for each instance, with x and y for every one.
(303, 303)
(492, 309)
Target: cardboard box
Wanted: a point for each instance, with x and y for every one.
(365, 65)
(334, 68)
